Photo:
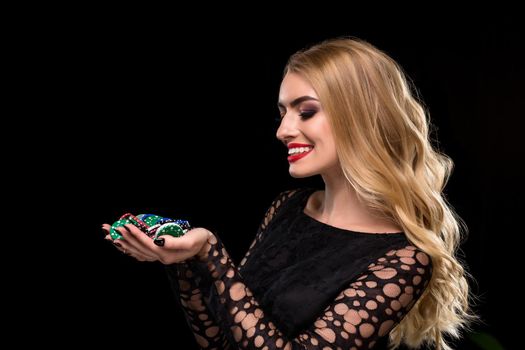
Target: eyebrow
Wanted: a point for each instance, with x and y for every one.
(297, 101)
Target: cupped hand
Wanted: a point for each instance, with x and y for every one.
(167, 249)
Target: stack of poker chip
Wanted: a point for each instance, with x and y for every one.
(152, 225)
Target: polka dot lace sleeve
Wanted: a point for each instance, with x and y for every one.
(361, 314)
(187, 284)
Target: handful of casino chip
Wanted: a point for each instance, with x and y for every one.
(152, 225)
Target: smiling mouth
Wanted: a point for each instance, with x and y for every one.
(301, 153)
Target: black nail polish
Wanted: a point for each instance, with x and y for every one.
(159, 242)
(117, 244)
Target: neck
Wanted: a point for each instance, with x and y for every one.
(340, 204)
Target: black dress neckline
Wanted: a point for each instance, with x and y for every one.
(304, 200)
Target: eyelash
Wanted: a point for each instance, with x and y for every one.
(305, 115)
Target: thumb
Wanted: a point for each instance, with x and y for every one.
(160, 241)
(175, 243)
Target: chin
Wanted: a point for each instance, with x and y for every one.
(298, 174)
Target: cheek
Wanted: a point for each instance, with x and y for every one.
(327, 140)
(331, 155)
(323, 128)
(329, 152)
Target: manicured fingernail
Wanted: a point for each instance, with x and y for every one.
(117, 244)
(159, 242)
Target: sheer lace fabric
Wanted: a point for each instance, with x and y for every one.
(301, 285)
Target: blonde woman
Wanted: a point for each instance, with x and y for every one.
(365, 263)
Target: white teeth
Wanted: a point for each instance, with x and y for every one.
(297, 150)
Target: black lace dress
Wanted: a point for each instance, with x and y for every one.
(302, 285)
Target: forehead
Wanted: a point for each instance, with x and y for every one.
(293, 86)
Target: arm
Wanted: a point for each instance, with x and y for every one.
(361, 314)
(178, 254)
(186, 283)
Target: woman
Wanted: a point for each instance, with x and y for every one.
(367, 261)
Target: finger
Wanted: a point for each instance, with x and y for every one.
(130, 234)
(138, 256)
(189, 241)
(142, 242)
(133, 249)
(106, 228)
(118, 244)
(175, 249)
(125, 248)
(140, 238)
(176, 243)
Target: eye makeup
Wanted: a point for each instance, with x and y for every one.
(307, 114)
(306, 111)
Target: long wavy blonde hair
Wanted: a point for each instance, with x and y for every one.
(382, 138)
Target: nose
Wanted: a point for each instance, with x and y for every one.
(287, 130)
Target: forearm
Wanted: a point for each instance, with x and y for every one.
(236, 309)
(187, 285)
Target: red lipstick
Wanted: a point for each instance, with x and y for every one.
(295, 157)
(295, 145)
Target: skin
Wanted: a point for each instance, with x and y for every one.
(337, 205)
(141, 247)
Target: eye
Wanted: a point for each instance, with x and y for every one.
(307, 114)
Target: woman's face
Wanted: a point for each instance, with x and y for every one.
(304, 129)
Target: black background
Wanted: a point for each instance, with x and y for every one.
(179, 120)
